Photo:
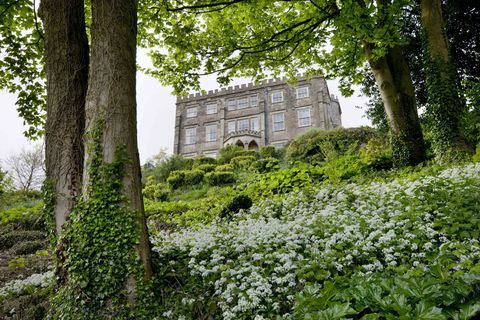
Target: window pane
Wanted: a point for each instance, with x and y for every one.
(232, 104)
(212, 154)
(211, 133)
(304, 118)
(253, 101)
(243, 124)
(242, 103)
(191, 112)
(254, 124)
(278, 122)
(211, 108)
(302, 93)
(231, 126)
(190, 135)
(277, 96)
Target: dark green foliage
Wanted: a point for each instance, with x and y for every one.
(193, 177)
(437, 294)
(239, 202)
(9, 239)
(471, 118)
(317, 146)
(242, 162)
(265, 165)
(444, 112)
(200, 160)
(28, 247)
(228, 152)
(206, 167)
(218, 178)
(270, 152)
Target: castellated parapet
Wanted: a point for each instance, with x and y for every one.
(253, 115)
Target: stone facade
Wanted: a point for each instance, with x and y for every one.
(270, 113)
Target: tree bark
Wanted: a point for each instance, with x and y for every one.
(393, 79)
(66, 59)
(111, 102)
(445, 104)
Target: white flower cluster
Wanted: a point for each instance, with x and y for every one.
(253, 263)
(17, 287)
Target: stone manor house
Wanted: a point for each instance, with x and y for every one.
(250, 116)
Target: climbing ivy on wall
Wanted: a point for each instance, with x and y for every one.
(99, 238)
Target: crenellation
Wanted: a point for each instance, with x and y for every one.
(237, 88)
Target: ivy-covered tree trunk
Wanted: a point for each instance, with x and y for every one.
(111, 139)
(393, 79)
(445, 105)
(66, 58)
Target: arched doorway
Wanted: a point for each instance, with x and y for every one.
(240, 144)
(253, 145)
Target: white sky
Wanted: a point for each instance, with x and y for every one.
(156, 115)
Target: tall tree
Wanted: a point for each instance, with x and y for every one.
(26, 168)
(246, 38)
(461, 28)
(66, 64)
(445, 104)
(108, 258)
(111, 102)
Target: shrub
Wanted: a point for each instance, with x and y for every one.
(206, 167)
(476, 156)
(377, 154)
(301, 176)
(269, 152)
(237, 203)
(23, 217)
(314, 146)
(161, 172)
(226, 153)
(242, 162)
(248, 153)
(200, 160)
(218, 178)
(344, 168)
(156, 191)
(266, 165)
(224, 167)
(28, 247)
(176, 179)
(9, 239)
(193, 177)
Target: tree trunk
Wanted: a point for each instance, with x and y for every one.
(111, 109)
(445, 105)
(393, 79)
(66, 59)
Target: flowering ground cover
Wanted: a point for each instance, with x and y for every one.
(405, 249)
